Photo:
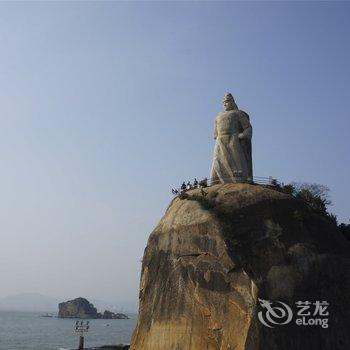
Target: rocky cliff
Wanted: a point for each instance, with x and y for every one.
(215, 254)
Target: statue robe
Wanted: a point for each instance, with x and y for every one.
(232, 159)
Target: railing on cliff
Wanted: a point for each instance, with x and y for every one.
(256, 180)
(259, 180)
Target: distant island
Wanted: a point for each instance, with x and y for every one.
(82, 308)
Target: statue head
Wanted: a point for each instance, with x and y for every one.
(229, 102)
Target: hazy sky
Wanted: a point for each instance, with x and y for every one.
(105, 106)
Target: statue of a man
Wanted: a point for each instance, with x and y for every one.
(232, 160)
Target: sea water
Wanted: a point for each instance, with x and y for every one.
(30, 331)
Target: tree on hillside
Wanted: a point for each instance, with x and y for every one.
(345, 230)
(316, 196)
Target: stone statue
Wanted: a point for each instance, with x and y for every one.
(232, 160)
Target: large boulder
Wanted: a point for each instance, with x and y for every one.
(215, 253)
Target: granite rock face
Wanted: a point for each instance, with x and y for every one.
(213, 256)
(82, 308)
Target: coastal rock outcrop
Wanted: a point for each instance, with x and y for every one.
(77, 308)
(216, 255)
(82, 308)
(112, 315)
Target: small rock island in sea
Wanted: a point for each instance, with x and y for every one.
(82, 308)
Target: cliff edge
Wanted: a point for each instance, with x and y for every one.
(212, 257)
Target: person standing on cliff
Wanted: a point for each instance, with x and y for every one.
(232, 150)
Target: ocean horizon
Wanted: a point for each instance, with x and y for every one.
(25, 330)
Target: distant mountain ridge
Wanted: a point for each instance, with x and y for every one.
(29, 302)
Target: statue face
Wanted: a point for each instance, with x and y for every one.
(228, 105)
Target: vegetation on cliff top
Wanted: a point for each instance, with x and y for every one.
(315, 196)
